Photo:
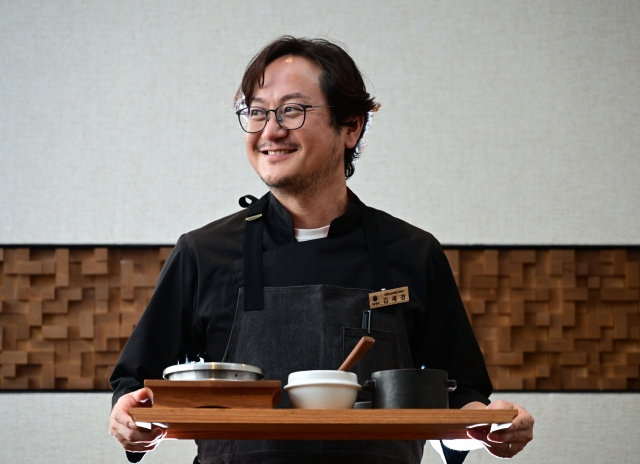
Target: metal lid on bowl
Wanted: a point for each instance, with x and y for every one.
(212, 366)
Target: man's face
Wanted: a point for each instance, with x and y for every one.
(307, 159)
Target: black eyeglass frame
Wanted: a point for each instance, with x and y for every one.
(278, 120)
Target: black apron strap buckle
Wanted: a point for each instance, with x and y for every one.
(247, 200)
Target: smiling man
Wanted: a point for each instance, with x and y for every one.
(285, 284)
(296, 148)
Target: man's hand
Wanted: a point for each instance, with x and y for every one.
(122, 426)
(508, 442)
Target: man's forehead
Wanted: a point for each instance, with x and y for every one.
(291, 77)
(294, 62)
(289, 96)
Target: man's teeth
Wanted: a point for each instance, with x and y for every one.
(278, 152)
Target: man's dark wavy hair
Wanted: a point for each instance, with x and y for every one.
(340, 80)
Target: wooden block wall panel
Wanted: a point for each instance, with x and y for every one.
(63, 311)
(562, 319)
(545, 319)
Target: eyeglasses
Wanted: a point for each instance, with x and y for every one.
(290, 116)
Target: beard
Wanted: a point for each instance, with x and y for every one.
(308, 183)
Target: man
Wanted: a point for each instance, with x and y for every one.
(284, 286)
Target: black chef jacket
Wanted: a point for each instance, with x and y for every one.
(192, 309)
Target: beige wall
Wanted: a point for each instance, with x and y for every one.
(503, 122)
(72, 428)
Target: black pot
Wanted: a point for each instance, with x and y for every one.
(410, 389)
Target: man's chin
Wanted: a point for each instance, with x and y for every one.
(278, 182)
(289, 185)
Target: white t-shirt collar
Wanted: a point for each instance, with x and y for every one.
(303, 235)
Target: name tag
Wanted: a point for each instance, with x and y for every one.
(388, 297)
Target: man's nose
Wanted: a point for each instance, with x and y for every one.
(273, 130)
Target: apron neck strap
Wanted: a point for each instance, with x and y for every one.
(377, 250)
(253, 278)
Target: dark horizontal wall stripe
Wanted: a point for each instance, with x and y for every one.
(547, 319)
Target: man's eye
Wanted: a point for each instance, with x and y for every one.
(292, 110)
(256, 113)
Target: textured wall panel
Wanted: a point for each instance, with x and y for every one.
(66, 313)
(554, 319)
(546, 319)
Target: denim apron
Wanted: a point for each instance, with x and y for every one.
(287, 329)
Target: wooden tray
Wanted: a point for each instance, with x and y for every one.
(213, 393)
(305, 424)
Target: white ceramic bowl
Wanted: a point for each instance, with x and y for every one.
(322, 389)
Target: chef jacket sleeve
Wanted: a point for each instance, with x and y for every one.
(449, 342)
(163, 335)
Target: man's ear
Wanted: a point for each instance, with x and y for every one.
(353, 131)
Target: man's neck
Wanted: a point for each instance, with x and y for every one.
(314, 211)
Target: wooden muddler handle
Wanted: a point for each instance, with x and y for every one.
(361, 348)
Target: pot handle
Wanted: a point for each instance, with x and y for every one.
(451, 385)
(369, 385)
